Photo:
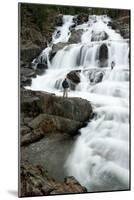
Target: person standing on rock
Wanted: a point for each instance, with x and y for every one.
(65, 86)
(112, 65)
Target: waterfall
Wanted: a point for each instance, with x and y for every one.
(62, 33)
(100, 156)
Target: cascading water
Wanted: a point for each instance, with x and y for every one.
(100, 156)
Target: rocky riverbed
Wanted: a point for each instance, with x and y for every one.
(49, 127)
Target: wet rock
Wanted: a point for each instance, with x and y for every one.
(95, 75)
(113, 24)
(99, 36)
(71, 28)
(56, 48)
(40, 68)
(36, 182)
(74, 78)
(75, 36)
(103, 55)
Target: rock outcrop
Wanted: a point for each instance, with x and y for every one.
(74, 78)
(121, 24)
(81, 18)
(43, 113)
(75, 36)
(99, 36)
(36, 182)
(103, 55)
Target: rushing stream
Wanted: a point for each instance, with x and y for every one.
(100, 156)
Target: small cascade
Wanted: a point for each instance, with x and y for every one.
(62, 33)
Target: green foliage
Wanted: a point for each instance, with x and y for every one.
(42, 13)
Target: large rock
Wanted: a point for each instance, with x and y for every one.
(123, 25)
(75, 36)
(52, 123)
(103, 55)
(32, 43)
(40, 68)
(30, 104)
(31, 136)
(46, 113)
(35, 102)
(36, 182)
(25, 81)
(71, 108)
(99, 36)
(74, 78)
(29, 52)
(56, 48)
(95, 75)
(28, 72)
(81, 18)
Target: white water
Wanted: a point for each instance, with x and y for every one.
(62, 33)
(100, 156)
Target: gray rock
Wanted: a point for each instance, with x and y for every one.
(99, 36)
(71, 108)
(74, 76)
(51, 123)
(29, 52)
(32, 136)
(27, 72)
(46, 113)
(56, 48)
(81, 18)
(59, 20)
(36, 182)
(75, 36)
(24, 130)
(103, 56)
(25, 81)
(121, 24)
(95, 75)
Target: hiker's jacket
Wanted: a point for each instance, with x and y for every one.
(65, 84)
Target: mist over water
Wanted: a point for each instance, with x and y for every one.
(100, 157)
